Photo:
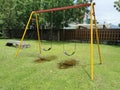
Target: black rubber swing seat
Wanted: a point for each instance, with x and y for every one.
(47, 49)
(69, 54)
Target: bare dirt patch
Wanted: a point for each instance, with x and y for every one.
(67, 64)
(44, 59)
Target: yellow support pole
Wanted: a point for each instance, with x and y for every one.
(38, 33)
(17, 52)
(91, 43)
(97, 37)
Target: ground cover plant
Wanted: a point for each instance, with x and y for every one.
(25, 73)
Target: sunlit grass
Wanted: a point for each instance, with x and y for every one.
(23, 73)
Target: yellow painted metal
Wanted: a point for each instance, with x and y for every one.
(17, 52)
(97, 37)
(38, 33)
(91, 42)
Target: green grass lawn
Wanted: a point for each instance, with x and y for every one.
(23, 73)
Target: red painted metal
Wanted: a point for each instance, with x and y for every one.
(62, 8)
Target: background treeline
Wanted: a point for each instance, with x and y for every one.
(15, 13)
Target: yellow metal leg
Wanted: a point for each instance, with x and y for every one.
(24, 34)
(91, 43)
(97, 37)
(38, 33)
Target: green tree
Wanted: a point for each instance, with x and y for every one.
(117, 5)
(23, 10)
(66, 16)
(7, 14)
(119, 24)
(48, 4)
(15, 13)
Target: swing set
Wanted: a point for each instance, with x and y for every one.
(92, 17)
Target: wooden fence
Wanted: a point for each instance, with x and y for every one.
(84, 35)
(80, 35)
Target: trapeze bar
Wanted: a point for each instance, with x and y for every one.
(62, 8)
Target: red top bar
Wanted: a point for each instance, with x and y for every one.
(62, 8)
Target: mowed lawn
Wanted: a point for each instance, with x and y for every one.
(23, 73)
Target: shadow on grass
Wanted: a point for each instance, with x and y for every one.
(84, 66)
(44, 59)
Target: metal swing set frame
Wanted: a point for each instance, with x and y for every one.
(92, 17)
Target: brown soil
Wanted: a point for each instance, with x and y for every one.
(39, 60)
(67, 64)
(43, 59)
